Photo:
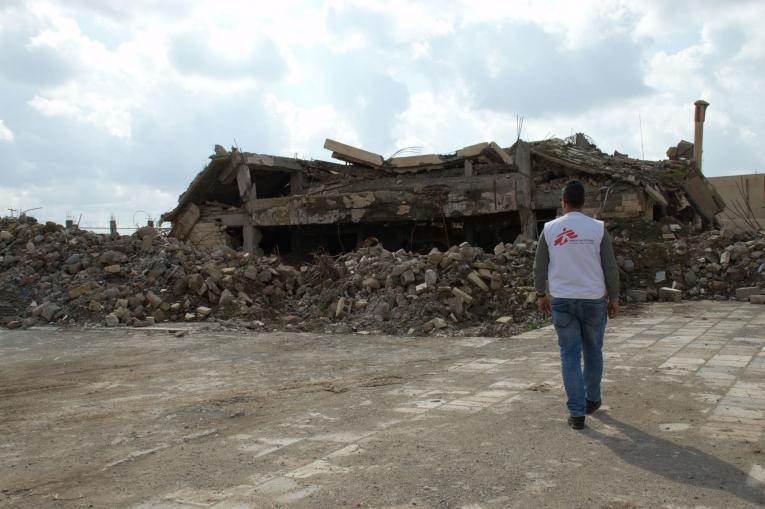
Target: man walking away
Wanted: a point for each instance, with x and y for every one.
(575, 259)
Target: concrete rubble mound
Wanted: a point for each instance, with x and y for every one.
(50, 274)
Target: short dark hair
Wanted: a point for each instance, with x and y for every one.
(573, 194)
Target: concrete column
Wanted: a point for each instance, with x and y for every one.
(698, 134)
(524, 195)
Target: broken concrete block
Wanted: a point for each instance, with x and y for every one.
(340, 308)
(153, 299)
(466, 297)
(456, 306)
(637, 295)
(421, 288)
(352, 154)
(203, 312)
(112, 269)
(226, 298)
(744, 293)
(757, 299)
(499, 249)
(407, 277)
(48, 310)
(474, 278)
(670, 294)
(431, 277)
(111, 320)
(485, 274)
(660, 276)
(504, 319)
(439, 323)
(725, 258)
(371, 283)
(5, 235)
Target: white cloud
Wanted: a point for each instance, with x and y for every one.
(5, 133)
(126, 99)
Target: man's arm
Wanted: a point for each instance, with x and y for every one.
(611, 273)
(541, 265)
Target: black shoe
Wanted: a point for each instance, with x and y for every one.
(592, 406)
(576, 422)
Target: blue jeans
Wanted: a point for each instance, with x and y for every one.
(580, 325)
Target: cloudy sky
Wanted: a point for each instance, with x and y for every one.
(113, 107)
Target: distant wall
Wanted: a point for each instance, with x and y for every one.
(737, 191)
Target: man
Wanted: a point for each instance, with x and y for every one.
(575, 259)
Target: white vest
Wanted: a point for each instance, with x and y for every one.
(575, 270)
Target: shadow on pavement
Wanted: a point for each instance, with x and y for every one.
(677, 463)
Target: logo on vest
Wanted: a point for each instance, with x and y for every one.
(564, 236)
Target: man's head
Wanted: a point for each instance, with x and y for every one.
(573, 196)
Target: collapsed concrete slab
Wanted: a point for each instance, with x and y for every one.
(482, 194)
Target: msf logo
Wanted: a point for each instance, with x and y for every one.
(564, 237)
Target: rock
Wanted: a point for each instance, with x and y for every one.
(371, 283)
(439, 323)
(725, 258)
(713, 267)
(670, 294)
(5, 235)
(112, 258)
(466, 297)
(757, 299)
(407, 277)
(48, 310)
(226, 298)
(435, 256)
(637, 295)
(456, 306)
(474, 278)
(77, 291)
(499, 249)
(340, 308)
(14, 324)
(153, 299)
(360, 304)
(628, 265)
(690, 278)
(744, 293)
(265, 276)
(504, 319)
(203, 312)
(158, 315)
(197, 283)
(111, 320)
(112, 269)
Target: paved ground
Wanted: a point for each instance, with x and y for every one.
(135, 418)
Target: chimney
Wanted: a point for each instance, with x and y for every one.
(698, 134)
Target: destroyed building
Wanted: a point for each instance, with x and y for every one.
(482, 194)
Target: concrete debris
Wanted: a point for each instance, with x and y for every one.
(462, 289)
(670, 294)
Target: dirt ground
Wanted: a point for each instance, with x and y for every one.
(142, 418)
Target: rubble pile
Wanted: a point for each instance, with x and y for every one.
(373, 288)
(49, 274)
(673, 262)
